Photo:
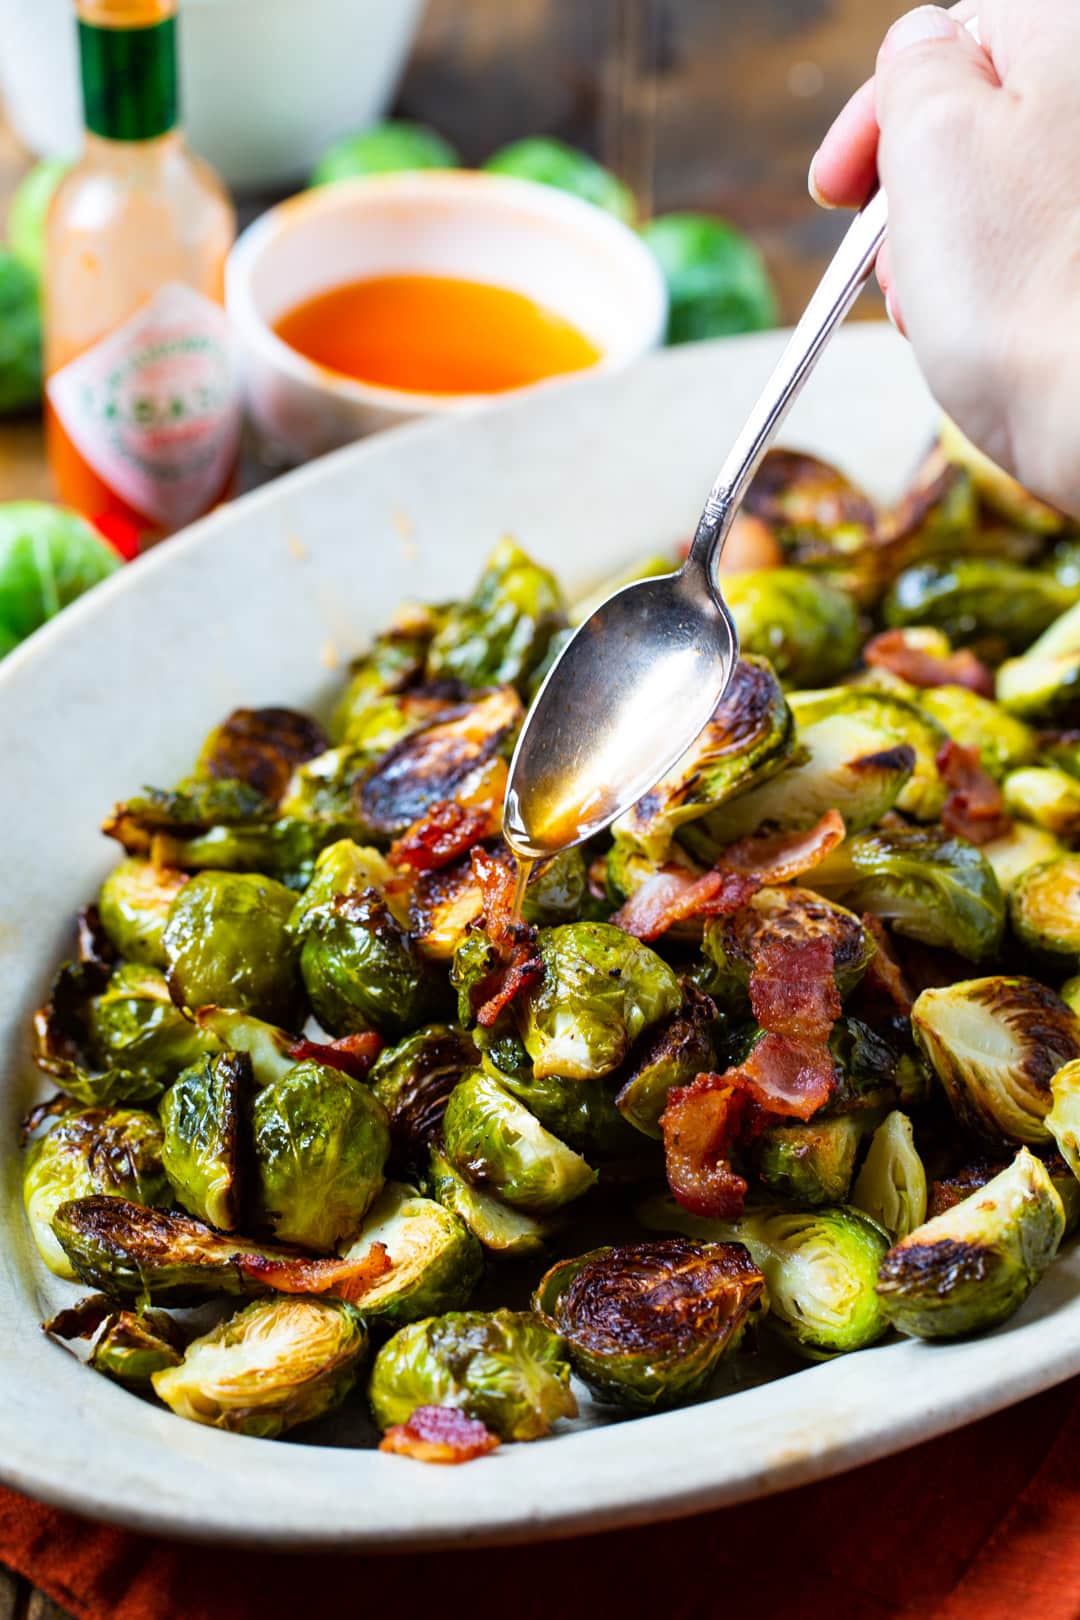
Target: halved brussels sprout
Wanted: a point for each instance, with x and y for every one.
(321, 1142)
(135, 1025)
(793, 915)
(896, 720)
(972, 1267)
(1047, 797)
(671, 1053)
(160, 817)
(1003, 741)
(1017, 851)
(501, 633)
(1043, 684)
(995, 1045)
(284, 849)
(1063, 1120)
(341, 868)
(496, 1143)
(926, 884)
(202, 1152)
(445, 903)
(128, 1346)
(817, 514)
(510, 1233)
(269, 1048)
(1000, 492)
(395, 661)
(600, 990)
(984, 602)
(1044, 909)
(811, 1164)
(276, 1363)
(805, 627)
(360, 969)
(581, 1113)
(134, 906)
(891, 1186)
(647, 1324)
(413, 1079)
(747, 740)
(137, 1254)
(435, 1261)
(227, 944)
(937, 516)
(91, 1150)
(261, 748)
(505, 1368)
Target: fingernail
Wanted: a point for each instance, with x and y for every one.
(812, 186)
(916, 28)
(893, 313)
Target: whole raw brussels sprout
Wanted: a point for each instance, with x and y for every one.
(794, 915)
(1003, 741)
(505, 1368)
(552, 162)
(600, 990)
(979, 601)
(321, 1142)
(496, 1143)
(972, 1267)
(135, 1026)
(227, 944)
(647, 1324)
(133, 905)
(435, 1260)
(202, 1117)
(91, 1150)
(413, 1080)
(512, 1233)
(891, 1186)
(995, 1045)
(1044, 909)
(48, 555)
(275, 1364)
(805, 627)
(395, 146)
(20, 337)
(716, 279)
(1047, 797)
(361, 972)
(501, 633)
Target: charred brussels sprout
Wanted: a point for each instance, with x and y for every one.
(510, 1233)
(413, 1079)
(812, 1164)
(201, 1116)
(136, 1254)
(361, 971)
(134, 907)
(1044, 908)
(995, 1045)
(435, 1260)
(891, 1186)
(500, 635)
(819, 517)
(1047, 797)
(1017, 851)
(276, 1363)
(394, 662)
(321, 1142)
(897, 721)
(925, 883)
(1004, 743)
(128, 1347)
(160, 818)
(496, 1143)
(671, 1053)
(805, 627)
(115, 1151)
(979, 601)
(647, 1324)
(227, 945)
(600, 990)
(446, 903)
(747, 740)
(972, 1267)
(793, 915)
(261, 748)
(343, 868)
(505, 1368)
(134, 1025)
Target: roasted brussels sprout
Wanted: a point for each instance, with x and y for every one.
(1004, 743)
(91, 1150)
(276, 1363)
(1044, 909)
(805, 627)
(818, 515)
(134, 1025)
(262, 748)
(810, 1164)
(321, 1142)
(747, 740)
(647, 1324)
(128, 1347)
(134, 906)
(413, 1079)
(201, 1116)
(891, 1186)
(496, 1143)
(160, 819)
(926, 884)
(510, 1233)
(269, 1048)
(435, 1261)
(972, 1267)
(505, 1368)
(1063, 1120)
(1017, 851)
(897, 720)
(227, 944)
(501, 633)
(671, 1053)
(792, 915)
(446, 902)
(995, 606)
(361, 972)
(600, 990)
(1000, 492)
(995, 1045)
(1047, 797)
(343, 868)
(394, 662)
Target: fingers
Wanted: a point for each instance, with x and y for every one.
(888, 288)
(845, 165)
(927, 66)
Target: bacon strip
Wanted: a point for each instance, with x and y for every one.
(353, 1054)
(892, 650)
(792, 1078)
(778, 857)
(885, 973)
(520, 965)
(974, 808)
(793, 988)
(447, 831)
(348, 1280)
(497, 883)
(673, 894)
(439, 1434)
(701, 1123)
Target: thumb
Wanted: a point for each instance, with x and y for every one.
(929, 67)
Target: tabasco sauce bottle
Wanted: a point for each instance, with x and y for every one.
(142, 415)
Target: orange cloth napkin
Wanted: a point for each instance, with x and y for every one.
(980, 1525)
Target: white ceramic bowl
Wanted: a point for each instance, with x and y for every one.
(567, 255)
(266, 84)
(246, 609)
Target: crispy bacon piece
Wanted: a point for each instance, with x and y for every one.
(892, 650)
(673, 894)
(515, 942)
(778, 857)
(439, 1434)
(974, 808)
(701, 1123)
(495, 993)
(348, 1280)
(445, 832)
(497, 881)
(792, 987)
(788, 1077)
(353, 1054)
(885, 973)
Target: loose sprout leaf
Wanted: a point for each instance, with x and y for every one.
(891, 1186)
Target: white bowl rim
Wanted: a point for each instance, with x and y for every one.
(337, 197)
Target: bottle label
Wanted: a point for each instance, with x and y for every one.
(154, 407)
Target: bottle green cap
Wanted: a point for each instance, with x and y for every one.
(129, 80)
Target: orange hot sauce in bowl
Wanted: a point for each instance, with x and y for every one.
(434, 335)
